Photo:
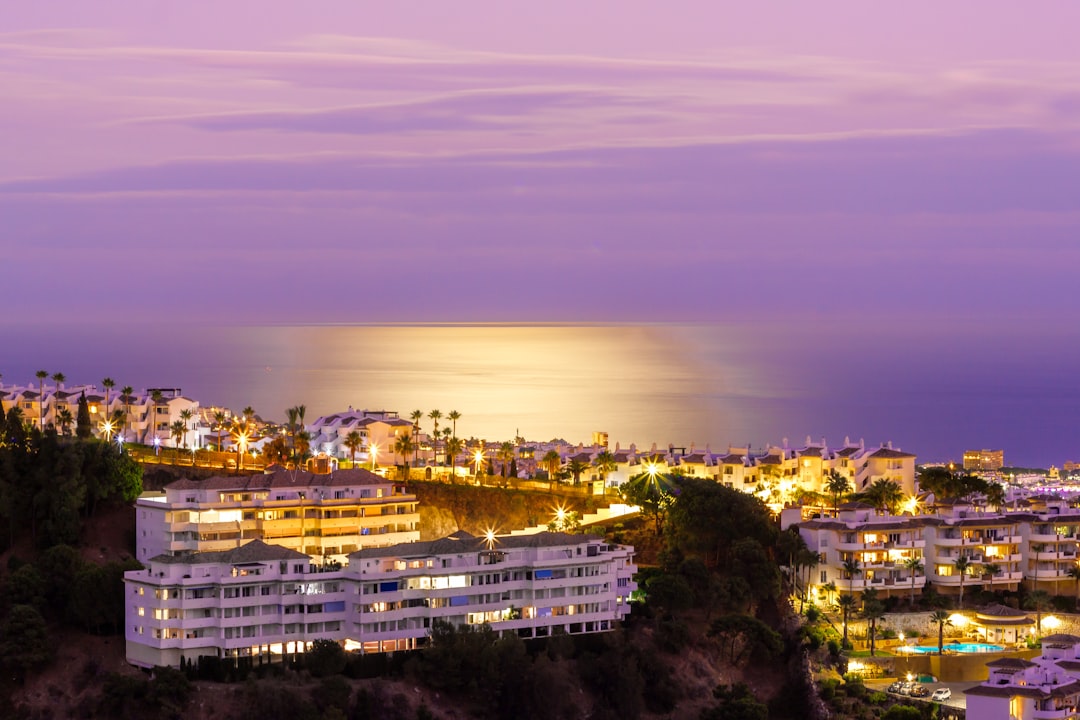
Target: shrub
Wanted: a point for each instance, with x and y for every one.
(812, 614)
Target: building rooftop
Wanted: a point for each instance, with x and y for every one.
(253, 552)
(463, 542)
(281, 478)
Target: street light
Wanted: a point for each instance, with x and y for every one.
(374, 452)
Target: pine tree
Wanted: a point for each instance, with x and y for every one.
(82, 422)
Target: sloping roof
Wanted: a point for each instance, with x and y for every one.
(1060, 640)
(809, 452)
(463, 542)
(890, 454)
(254, 551)
(281, 478)
(1014, 663)
(1040, 692)
(998, 610)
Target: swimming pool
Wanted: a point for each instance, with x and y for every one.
(964, 648)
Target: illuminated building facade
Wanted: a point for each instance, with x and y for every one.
(1043, 688)
(322, 516)
(984, 460)
(265, 600)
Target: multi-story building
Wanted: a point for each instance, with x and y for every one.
(984, 459)
(1043, 688)
(1037, 545)
(378, 431)
(264, 600)
(322, 516)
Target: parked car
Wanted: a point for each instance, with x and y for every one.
(895, 687)
(919, 691)
(941, 694)
(906, 688)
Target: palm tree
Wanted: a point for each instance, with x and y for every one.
(59, 379)
(453, 447)
(157, 397)
(1038, 601)
(1038, 549)
(65, 420)
(552, 462)
(454, 416)
(991, 569)
(576, 467)
(219, 420)
(417, 416)
(873, 610)
(838, 485)
(961, 565)
(1074, 573)
(807, 559)
(249, 414)
(108, 383)
(177, 431)
(185, 417)
(852, 567)
(847, 604)
(941, 617)
(913, 565)
(41, 375)
(403, 446)
(505, 454)
(353, 442)
(125, 394)
(884, 495)
(604, 463)
(435, 415)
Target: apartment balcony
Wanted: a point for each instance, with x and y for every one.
(906, 544)
(1062, 714)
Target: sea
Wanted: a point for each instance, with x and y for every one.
(930, 391)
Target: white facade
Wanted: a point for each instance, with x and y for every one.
(1043, 688)
(267, 600)
(323, 516)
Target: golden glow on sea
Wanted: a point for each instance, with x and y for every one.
(639, 383)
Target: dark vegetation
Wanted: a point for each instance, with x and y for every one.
(49, 486)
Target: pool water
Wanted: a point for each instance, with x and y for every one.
(966, 648)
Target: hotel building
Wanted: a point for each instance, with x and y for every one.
(266, 600)
(984, 459)
(322, 516)
(1043, 688)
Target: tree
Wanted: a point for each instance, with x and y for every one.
(453, 416)
(41, 375)
(64, 419)
(962, 564)
(1074, 574)
(403, 446)
(325, 658)
(454, 446)
(82, 421)
(219, 422)
(185, 417)
(873, 610)
(847, 604)
(1038, 549)
(108, 383)
(59, 379)
(902, 712)
(852, 567)
(1039, 600)
(24, 641)
(417, 416)
(125, 396)
(991, 569)
(604, 464)
(838, 486)
(941, 617)
(884, 495)
(654, 494)
(576, 468)
(914, 566)
(353, 442)
(177, 431)
(552, 461)
(435, 415)
(741, 636)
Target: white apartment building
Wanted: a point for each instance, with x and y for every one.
(377, 428)
(322, 516)
(1043, 688)
(1037, 545)
(144, 419)
(265, 600)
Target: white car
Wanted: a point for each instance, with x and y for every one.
(941, 694)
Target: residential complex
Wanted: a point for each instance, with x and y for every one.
(899, 554)
(267, 600)
(322, 516)
(1043, 688)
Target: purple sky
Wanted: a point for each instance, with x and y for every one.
(828, 164)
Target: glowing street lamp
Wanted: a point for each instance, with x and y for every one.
(374, 452)
(157, 445)
(489, 538)
(478, 460)
(107, 429)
